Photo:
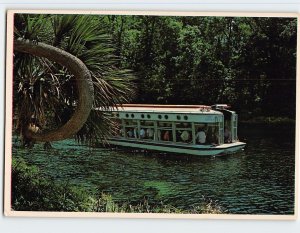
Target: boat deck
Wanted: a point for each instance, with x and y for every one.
(232, 144)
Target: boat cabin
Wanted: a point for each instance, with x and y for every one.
(186, 129)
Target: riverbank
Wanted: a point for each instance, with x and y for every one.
(32, 191)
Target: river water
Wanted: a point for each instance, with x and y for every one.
(258, 180)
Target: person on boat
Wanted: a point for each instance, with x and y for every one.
(130, 133)
(227, 135)
(200, 136)
(142, 133)
(185, 136)
(159, 133)
(150, 133)
(166, 136)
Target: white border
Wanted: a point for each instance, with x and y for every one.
(9, 57)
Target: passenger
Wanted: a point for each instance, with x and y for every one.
(166, 136)
(227, 135)
(142, 133)
(150, 133)
(200, 136)
(159, 135)
(185, 136)
(130, 133)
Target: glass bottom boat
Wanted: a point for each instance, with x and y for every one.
(185, 129)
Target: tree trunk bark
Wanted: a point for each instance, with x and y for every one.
(83, 81)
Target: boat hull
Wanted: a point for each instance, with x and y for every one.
(200, 150)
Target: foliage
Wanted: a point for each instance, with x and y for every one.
(247, 62)
(45, 93)
(106, 204)
(271, 121)
(33, 192)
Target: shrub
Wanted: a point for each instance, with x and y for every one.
(31, 191)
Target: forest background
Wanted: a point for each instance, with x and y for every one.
(249, 63)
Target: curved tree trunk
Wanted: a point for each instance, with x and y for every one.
(83, 81)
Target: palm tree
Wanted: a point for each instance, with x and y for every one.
(63, 66)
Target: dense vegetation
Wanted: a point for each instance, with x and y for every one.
(249, 63)
(31, 191)
(46, 94)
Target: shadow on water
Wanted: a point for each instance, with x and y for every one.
(259, 180)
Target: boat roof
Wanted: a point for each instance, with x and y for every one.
(203, 109)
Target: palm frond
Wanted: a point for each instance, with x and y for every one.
(47, 92)
(62, 25)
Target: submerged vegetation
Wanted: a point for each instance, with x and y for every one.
(33, 192)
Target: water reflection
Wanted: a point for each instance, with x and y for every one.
(259, 180)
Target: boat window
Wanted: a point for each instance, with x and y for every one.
(146, 130)
(221, 132)
(131, 128)
(183, 132)
(228, 132)
(234, 127)
(164, 131)
(207, 133)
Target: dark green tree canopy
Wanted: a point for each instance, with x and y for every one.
(248, 62)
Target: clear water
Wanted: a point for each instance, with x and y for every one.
(258, 180)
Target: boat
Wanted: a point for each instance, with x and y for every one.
(185, 129)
